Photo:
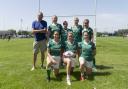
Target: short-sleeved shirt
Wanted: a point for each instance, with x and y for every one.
(54, 48)
(64, 34)
(39, 25)
(68, 46)
(54, 27)
(87, 50)
(90, 32)
(77, 33)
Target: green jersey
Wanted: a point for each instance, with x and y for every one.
(64, 34)
(68, 46)
(54, 48)
(87, 50)
(90, 32)
(77, 33)
(54, 27)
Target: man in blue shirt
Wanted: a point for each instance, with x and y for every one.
(39, 29)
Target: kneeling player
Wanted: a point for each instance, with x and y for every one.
(70, 50)
(54, 55)
(88, 50)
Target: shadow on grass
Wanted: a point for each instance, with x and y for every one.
(76, 74)
(92, 77)
(101, 73)
(102, 67)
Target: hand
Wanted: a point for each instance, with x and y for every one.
(54, 62)
(43, 31)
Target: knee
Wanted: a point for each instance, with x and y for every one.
(81, 65)
(69, 62)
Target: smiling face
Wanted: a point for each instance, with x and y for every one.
(56, 35)
(65, 24)
(54, 19)
(70, 36)
(86, 23)
(76, 21)
(86, 38)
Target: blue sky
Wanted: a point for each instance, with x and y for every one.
(111, 14)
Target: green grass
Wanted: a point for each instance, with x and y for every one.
(16, 62)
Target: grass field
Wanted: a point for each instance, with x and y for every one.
(16, 62)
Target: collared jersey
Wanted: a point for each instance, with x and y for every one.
(54, 27)
(68, 46)
(54, 47)
(77, 33)
(64, 34)
(87, 50)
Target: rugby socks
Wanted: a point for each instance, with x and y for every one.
(68, 76)
(82, 73)
(48, 72)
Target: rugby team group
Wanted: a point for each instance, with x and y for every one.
(64, 46)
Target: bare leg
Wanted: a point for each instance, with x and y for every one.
(34, 61)
(82, 71)
(42, 58)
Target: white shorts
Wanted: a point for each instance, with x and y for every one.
(88, 64)
(57, 59)
(39, 45)
(73, 61)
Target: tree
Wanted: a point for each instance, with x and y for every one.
(12, 31)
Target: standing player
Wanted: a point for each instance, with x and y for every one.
(87, 28)
(54, 55)
(77, 30)
(39, 29)
(88, 50)
(54, 27)
(70, 50)
(65, 31)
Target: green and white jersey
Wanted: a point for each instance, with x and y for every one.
(54, 27)
(77, 33)
(64, 34)
(68, 46)
(90, 32)
(87, 50)
(54, 48)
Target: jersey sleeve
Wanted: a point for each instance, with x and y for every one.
(33, 25)
(80, 29)
(48, 45)
(61, 29)
(64, 45)
(79, 45)
(93, 46)
(91, 31)
(45, 25)
(49, 28)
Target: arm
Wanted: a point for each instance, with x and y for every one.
(49, 32)
(39, 31)
(92, 36)
(94, 49)
(78, 49)
(78, 52)
(50, 57)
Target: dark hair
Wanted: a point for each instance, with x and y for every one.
(65, 22)
(85, 31)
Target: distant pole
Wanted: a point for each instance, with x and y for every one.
(95, 29)
(39, 6)
(21, 22)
